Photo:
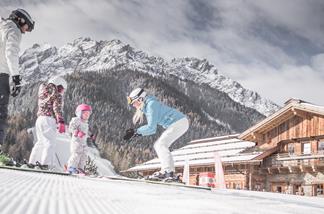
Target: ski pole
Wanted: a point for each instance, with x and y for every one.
(58, 160)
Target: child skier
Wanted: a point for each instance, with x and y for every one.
(49, 120)
(79, 128)
(175, 123)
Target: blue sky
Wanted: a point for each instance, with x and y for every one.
(270, 46)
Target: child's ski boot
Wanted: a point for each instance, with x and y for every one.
(73, 171)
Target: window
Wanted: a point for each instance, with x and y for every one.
(257, 187)
(291, 148)
(320, 189)
(238, 186)
(306, 148)
(321, 146)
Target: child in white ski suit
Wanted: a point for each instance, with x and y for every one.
(79, 128)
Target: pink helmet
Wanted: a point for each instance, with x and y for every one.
(82, 107)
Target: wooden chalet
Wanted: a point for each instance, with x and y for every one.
(292, 140)
(283, 153)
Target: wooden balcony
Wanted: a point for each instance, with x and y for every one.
(294, 163)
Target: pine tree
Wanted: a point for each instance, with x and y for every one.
(91, 168)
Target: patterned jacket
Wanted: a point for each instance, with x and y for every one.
(76, 124)
(50, 102)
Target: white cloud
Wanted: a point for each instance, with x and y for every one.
(302, 17)
(273, 47)
(317, 63)
(289, 81)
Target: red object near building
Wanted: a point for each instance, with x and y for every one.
(207, 179)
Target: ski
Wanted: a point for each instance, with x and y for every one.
(167, 183)
(33, 170)
(120, 178)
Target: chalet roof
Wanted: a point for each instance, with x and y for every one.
(201, 152)
(293, 107)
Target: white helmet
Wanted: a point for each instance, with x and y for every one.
(58, 81)
(136, 94)
(22, 17)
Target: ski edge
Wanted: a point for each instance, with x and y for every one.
(34, 170)
(156, 182)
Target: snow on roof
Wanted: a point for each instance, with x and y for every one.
(214, 138)
(309, 106)
(229, 148)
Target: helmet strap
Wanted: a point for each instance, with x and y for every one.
(141, 91)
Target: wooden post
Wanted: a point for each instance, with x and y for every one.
(186, 172)
(219, 172)
(250, 177)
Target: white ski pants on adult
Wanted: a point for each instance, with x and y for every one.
(44, 149)
(168, 137)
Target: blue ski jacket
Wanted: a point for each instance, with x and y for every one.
(157, 113)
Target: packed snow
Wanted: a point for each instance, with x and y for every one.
(39, 193)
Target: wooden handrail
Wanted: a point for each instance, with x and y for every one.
(286, 159)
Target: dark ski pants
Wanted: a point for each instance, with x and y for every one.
(4, 100)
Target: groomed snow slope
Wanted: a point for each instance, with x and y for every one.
(35, 193)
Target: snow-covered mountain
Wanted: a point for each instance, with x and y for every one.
(42, 61)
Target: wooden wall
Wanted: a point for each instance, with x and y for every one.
(306, 125)
(236, 181)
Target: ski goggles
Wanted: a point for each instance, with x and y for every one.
(130, 100)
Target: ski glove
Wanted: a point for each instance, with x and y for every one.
(93, 137)
(79, 134)
(130, 133)
(61, 125)
(16, 87)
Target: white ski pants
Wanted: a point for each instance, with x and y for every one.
(44, 149)
(168, 137)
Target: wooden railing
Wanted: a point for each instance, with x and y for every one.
(287, 159)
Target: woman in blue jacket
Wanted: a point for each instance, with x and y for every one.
(174, 122)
